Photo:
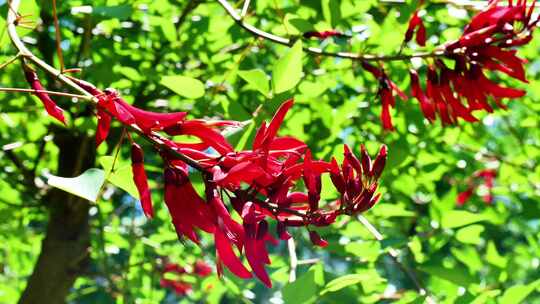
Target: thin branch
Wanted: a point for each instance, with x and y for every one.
(10, 61)
(394, 254)
(46, 92)
(291, 245)
(231, 11)
(245, 8)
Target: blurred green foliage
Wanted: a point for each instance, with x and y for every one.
(180, 55)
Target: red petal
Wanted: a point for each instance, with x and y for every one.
(140, 179)
(276, 122)
(148, 120)
(257, 256)
(103, 126)
(50, 106)
(226, 254)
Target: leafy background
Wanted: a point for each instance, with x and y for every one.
(170, 55)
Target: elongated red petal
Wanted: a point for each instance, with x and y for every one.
(204, 132)
(103, 126)
(387, 100)
(50, 106)
(140, 179)
(257, 257)
(421, 35)
(379, 163)
(276, 122)
(226, 254)
(148, 120)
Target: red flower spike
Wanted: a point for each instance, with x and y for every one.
(317, 240)
(50, 106)
(140, 179)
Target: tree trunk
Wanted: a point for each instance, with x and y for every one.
(65, 249)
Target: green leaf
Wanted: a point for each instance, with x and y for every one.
(121, 177)
(392, 210)
(184, 86)
(351, 279)
(516, 294)
(493, 257)
(86, 185)
(470, 234)
(305, 288)
(344, 281)
(119, 11)
(297, 25)
(459, 218)
(129, 72)
(331, 11)
(458, 276)
(287, 71)
(257, 79)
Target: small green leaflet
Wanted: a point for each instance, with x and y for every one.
(184, 86)
(257, 79)
(458, 218)
(349, 280)
(305, 288)
(470, 234)
(121, 177)
(288, 70)
(516, 294)
(86, 185)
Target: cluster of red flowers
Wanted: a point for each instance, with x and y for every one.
(262, 183)
(485, 177)
(178, 285)
(486, 45)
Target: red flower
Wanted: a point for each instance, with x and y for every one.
(140, 179)
(387, 88)
(179, 287)
(188, 210)
(50, 106)
(202, 269)
(416, 24)
(485, 177)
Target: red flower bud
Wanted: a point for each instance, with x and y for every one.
(379, 163)
(317, 240)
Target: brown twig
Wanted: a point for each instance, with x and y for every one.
(46, 92)
(317, 51)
